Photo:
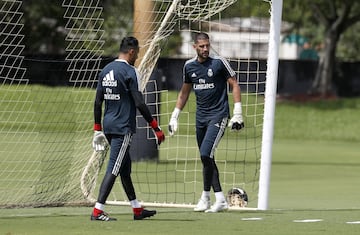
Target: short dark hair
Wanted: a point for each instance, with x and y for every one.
(201, 36)
(128, 43)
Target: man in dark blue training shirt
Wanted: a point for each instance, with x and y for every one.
(208, 77)
(118, 88)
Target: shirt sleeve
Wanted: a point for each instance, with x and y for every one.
(138, 79)
(137, 96)
(229, 72)
(141, 106)
(186, 78)
(99, 98)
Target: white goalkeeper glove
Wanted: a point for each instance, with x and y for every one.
(236, 122)
(173, 124)
(99, 141)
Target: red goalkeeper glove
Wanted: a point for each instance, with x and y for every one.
(160, 137)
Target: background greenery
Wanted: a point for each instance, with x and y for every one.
(40, 18)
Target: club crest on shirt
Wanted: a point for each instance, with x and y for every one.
(210, 73)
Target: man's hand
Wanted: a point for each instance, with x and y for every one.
(236, 122)
(99, 141)
(160, 136)
(173, 124)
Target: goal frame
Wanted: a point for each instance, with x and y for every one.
(269, 117)
(270, 103)
(57, 120)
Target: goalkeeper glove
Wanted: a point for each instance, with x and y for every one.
(99, 141)
(173, 124)
(160, 137)
(236, 122)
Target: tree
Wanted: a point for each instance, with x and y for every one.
(118, 23)
(326, 22)
(349, 44)
(45, 24)
(336, 17)
(44, 31)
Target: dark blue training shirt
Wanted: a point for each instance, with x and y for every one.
(116, 81)
(209, 81)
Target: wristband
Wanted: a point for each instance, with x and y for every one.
(237, 108)
(175, 113)
(154, 124)
(97, 127)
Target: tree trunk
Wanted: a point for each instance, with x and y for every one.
(143, 24)
(322, 84)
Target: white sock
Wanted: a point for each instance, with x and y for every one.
(219, 196)
(205, 195)
(135, 204)
(99, 206)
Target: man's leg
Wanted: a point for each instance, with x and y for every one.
(204, 201)
(126, 181)
(213, 135)
(106, 185)
(215, 183)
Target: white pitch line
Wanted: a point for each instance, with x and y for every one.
(308, 220)
(251, 219)
(353, 222)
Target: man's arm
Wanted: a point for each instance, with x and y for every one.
(236, 122)
(99, 139)
(183, 95)
(98, 110)
(180, 103)
(141, 106)
(235, 89)
(145, 112)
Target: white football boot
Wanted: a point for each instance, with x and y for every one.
(202, 205)
(218, 207)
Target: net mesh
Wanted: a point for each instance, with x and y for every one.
(46, 132)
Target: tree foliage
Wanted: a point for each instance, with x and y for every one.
(44, 22)
(334, 18)
(332, 23)
(118, 23)
(244, 9)
(44, 26)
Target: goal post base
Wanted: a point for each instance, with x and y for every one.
(174, 205)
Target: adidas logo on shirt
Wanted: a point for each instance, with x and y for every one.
(193, 75)
(109, 80)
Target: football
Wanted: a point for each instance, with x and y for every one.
(237, 197)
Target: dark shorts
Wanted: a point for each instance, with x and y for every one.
(120, 161)
(209, 134)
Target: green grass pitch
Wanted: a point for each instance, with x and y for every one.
(314, 187)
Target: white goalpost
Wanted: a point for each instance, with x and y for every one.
(270, 102)
(46, 133)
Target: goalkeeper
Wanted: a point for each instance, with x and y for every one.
(118, 88)
(208, 76)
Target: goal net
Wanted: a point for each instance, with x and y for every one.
(46, 132)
